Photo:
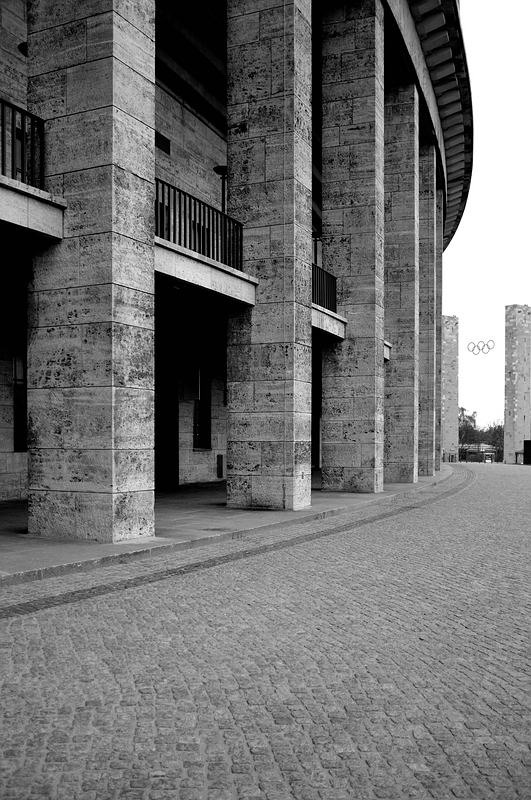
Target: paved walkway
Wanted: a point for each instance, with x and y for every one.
(380, 654)
(193, 516)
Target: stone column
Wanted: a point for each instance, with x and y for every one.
(439, 230)
(353, 230)
(90, 357)
(269, 190)
(427, 309)
(402, 284)
(450, 388)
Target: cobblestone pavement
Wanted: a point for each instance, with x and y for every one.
(384, 656)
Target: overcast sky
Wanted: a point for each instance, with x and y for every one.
(487, 264)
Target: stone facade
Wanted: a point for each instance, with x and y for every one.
(402, 284)
(90, 351)
(517, 427)
(449, 390)
(353, 236)
(150, 349)
(13, 32)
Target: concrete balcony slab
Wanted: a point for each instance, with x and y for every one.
(31, 208)
(329, 322)
(199, 270)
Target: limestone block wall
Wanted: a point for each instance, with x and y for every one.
(270, 183)
(200, 466)
(14, 72)
(439, 217)
(427, 310)
(353, 234)
(195, 149)
(449, 389)
(517, 380)
(402, 284)
(90, 352)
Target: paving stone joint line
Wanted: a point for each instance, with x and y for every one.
(465, 478)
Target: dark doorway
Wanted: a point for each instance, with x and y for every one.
(317, 397)
(167, 372)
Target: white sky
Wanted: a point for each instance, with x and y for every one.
(487, 264)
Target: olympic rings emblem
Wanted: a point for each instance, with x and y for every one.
(480, 347)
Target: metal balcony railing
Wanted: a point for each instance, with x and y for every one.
(323, 288)
(184, 220)
(21, 145)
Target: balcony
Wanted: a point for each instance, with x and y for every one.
(323, 282)
(186, 221)
(21, 145)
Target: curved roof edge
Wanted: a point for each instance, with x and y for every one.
(439, 30)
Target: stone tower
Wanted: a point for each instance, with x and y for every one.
(517, 381)
(449, 399)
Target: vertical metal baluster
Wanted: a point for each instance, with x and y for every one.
(41, 155)
(23, 148)
(195, 225)
(13, 144)
(201, 227)
(33, 151)
(191, 224)
(157, 208)
(188, 241)
(186, 221)
(161, 210)
(174, 222)
(227, 241)
(223, 257)
(189, 204)
(4, 136)
(180, 216)
(169, 212)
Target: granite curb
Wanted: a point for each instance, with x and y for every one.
(86, 565)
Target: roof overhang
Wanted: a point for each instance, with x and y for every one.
(431, 30)
(439, 30)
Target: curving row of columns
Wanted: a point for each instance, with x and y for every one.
(382, 218)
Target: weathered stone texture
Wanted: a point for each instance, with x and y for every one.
(353, 231)
(517, 380)
(195, 149)
(449, 389)
(427, 309)
(439, 226)
(90, 353)
(269, 164)
(13, 32)
(402, 284)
